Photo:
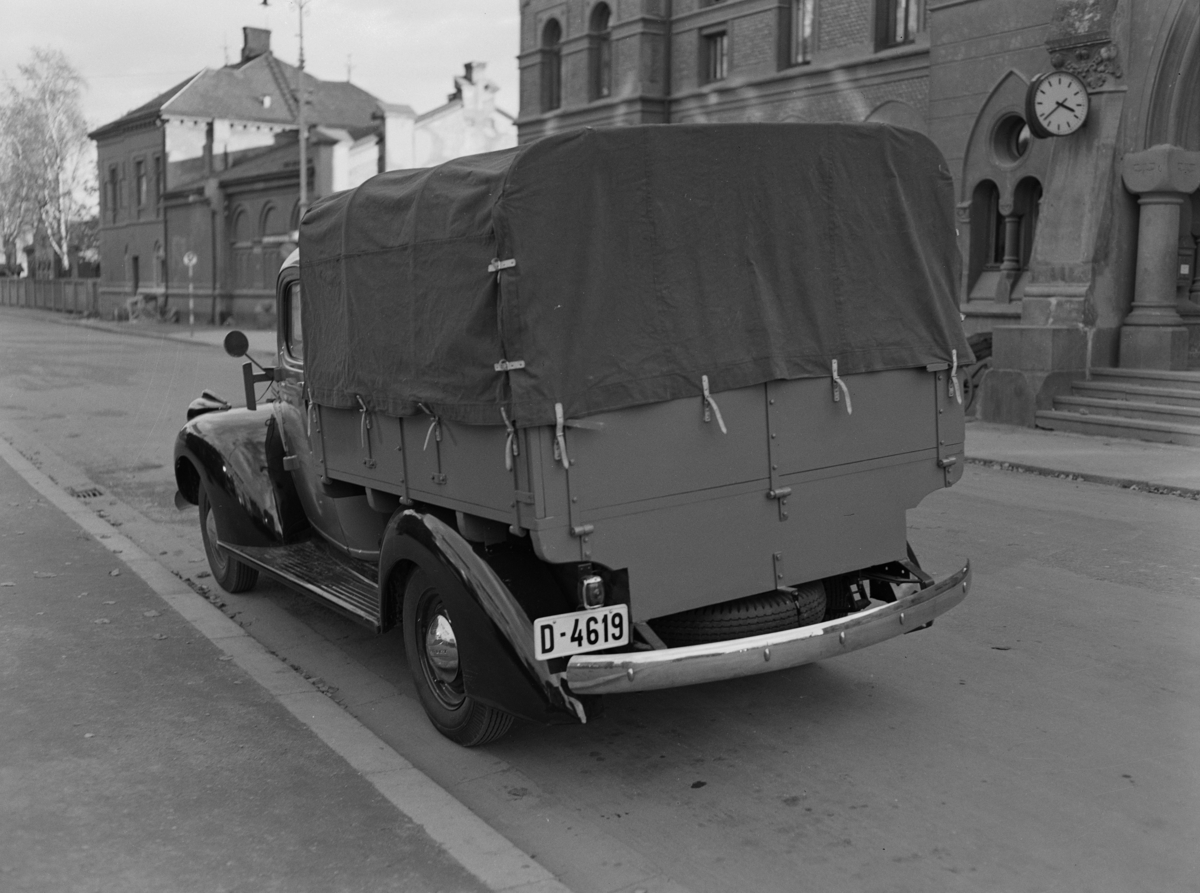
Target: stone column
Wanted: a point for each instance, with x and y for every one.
(1153, 335)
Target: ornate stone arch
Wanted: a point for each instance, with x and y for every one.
(1000, 151)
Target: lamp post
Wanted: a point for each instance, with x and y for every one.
(300, 122)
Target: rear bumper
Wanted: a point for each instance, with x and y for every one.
(668, 668)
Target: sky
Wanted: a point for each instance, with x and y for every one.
(402, 51)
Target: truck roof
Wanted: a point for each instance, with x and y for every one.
(632, 261)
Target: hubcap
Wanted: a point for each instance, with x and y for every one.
(442, 648)
(439, 653)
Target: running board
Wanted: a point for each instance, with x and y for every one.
(315, 569)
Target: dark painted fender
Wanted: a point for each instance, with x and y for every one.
(237, 456)
(495, 636)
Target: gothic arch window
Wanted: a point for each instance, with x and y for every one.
(551, 65)
(600, 44)
(1002, 176)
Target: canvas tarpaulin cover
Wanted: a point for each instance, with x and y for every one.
(645, 258)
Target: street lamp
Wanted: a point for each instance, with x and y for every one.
(300, 123)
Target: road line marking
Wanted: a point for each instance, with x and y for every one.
(470, 841)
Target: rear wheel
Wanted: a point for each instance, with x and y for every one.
(230, 574)
(433, 656)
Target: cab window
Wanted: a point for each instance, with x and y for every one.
(294, 332)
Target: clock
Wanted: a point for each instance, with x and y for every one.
(1056, 105)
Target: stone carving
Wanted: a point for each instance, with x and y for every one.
(1090, 57)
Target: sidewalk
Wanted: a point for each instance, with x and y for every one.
(1157, 467)
(137, 753)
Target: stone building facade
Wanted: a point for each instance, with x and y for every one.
(1078, 251)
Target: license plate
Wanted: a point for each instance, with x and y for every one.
(563, 634)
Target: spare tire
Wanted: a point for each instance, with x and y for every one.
(754, 615)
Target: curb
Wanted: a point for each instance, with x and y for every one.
(1123, 483)
(466, 838)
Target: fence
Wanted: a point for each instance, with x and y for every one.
(63, 295)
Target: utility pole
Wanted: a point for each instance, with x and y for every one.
(301, 96)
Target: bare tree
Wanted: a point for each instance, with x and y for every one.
(18, 214)
(49, 180)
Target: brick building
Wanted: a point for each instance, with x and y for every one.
(210, 169)
(1070, 244)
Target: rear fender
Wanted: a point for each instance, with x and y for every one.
(237, 456)
(494, 633)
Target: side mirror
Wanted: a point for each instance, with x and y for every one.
(237, 344)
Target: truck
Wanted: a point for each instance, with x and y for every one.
(620, 409)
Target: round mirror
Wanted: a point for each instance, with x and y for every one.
(236, 344)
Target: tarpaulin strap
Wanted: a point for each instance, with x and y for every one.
(955, 388)
(434, 426)
(560, 440)
(839, 388)
(709, 402)
(510, 445)
(366, 422)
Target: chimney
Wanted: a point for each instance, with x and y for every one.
(255, 42)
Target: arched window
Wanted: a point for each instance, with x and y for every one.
(600, 37)
(1002, 239)
(270, 221)
(241, 226)
(551, 66)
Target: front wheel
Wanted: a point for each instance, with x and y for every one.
(230, 574)
(434, 659)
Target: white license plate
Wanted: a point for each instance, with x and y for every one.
(579, 631)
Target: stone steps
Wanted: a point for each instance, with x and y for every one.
(1139, 404)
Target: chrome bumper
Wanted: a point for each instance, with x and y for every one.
(668, 668)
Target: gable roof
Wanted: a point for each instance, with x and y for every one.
(237, 92)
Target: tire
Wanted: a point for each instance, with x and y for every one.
(433, 658)
(752, 616)
(231, 575)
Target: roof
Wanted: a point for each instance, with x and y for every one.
(236, 93)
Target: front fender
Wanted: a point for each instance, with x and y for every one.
(232, 454)
(494, 633)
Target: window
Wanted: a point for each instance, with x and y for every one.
(294, 333)
(551, 66)
(139, 179)
(802, 30)
(601, 46)
(897, 21)
(714, 55)
(160, 185)
(113, 191)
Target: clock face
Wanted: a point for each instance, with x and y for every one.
(1058, 104)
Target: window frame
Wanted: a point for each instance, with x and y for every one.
(714, 54)
(803, 44)
(898, 22)
(551, 68)
(600, 39)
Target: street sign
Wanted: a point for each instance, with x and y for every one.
(190, 260)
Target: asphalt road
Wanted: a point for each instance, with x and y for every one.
(1042, 736)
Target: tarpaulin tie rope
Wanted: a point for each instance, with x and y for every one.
(839, 388)
(955, 388)
(560, 439)
(710, 403)
(510, 445)
(434, 426)
(366, 423)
